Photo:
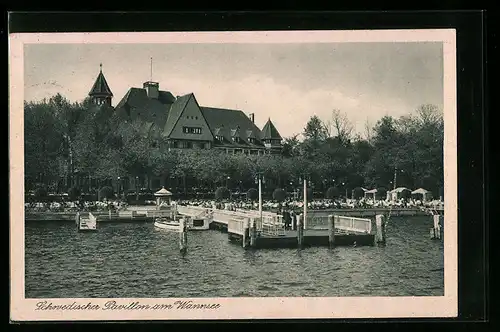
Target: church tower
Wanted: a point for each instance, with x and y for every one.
(101, 94)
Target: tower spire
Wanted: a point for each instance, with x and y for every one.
(100, 67)
(151, 71)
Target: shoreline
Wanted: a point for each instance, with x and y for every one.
(104, 216)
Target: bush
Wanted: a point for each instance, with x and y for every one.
(222, 193)
(74, 193)
(358, 193)
(279, 195)
(41, 194)
(253, 194)
(381, 193)
(332, 193)
(106, 192)
(309, 193)
(405, 194)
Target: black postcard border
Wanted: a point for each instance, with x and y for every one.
(472, 109)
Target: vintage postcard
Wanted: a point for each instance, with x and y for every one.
(233, 175)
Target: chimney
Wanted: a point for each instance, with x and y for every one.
(252, 117)
(152, 89)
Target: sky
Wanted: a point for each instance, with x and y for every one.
(286, 82)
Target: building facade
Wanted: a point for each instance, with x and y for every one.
(184, 124)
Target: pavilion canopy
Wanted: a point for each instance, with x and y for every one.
(163, 192)
(420, 191)
(399, 190)
(371, 191)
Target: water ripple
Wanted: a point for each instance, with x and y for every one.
(137, 260)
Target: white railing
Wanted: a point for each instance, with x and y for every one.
(236, 226)
(273, 230)
(158, 213)
(92, 219)
(359, 225)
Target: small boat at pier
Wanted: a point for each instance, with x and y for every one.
(168, 224)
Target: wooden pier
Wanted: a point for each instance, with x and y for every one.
(247, 228)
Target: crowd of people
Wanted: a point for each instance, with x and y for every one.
(289, 204)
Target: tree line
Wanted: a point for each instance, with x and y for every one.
(64, 138)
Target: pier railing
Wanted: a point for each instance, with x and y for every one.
(352, 224)
(92, 219)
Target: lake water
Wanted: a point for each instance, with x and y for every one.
(135, 260)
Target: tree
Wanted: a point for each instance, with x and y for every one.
(290, 146)
(332, 193)
(339, 126)
(74, 193)
(221, 193)
(315, 130)
(252, 194)
(279, 195)
(106, 192)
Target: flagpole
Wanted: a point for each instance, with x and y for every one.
(305, 202)
(260, 197)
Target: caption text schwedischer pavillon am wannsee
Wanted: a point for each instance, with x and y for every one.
(135, 305)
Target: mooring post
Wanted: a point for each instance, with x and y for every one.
(300, 230)
(77, 219)
(253, 233)
(182, 235)
(246, 231)
(437, 227)
(331, 230)
(380, 223)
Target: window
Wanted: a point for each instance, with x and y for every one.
(220, 138)
(236, 139)
(251, 140)
(191, 130)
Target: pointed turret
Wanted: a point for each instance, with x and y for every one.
(100, 93)
(270, 135)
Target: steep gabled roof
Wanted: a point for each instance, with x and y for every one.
(100, 86)
(175, 112)
(230, 123)
(269, 131)
(152, 110)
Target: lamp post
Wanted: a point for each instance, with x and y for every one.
(137, 188)
(343, 184)
(119, 187)
(305, 199)
(259, 181)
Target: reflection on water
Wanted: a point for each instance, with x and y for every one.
(138, 260)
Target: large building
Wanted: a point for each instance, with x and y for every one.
(184, 124)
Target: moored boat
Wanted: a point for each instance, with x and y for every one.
(167, 223)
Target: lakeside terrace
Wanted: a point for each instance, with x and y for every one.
(117, 210)
(269, 205)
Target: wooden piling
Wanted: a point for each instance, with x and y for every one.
(246, 232)
(300, 230)
(253, 233)
(331, 230)
(380, 223)
(436, 234)
(182, 235)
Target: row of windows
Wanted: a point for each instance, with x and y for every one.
(190, 145)
(191, 130)
(235, 139)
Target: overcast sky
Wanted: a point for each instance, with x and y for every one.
(285, 82)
